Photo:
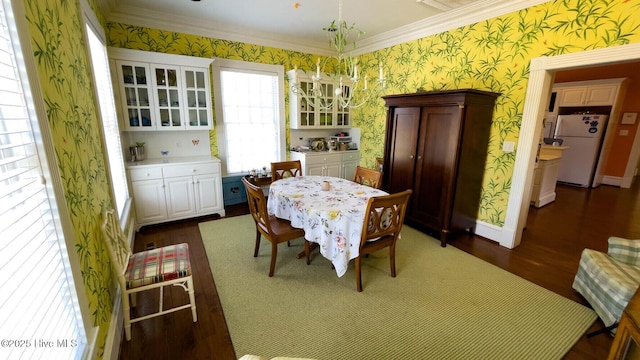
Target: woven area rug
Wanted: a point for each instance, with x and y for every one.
(443, 304)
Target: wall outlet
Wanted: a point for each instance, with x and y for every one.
(508, 146)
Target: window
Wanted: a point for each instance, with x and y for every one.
(38, 302)
(111, 133)
(249, 101)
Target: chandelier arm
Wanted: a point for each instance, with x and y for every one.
(342, 85)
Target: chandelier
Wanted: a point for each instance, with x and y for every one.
(342, 86)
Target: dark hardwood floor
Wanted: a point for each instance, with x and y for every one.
(548, 256)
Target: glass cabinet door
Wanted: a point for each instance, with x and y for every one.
(134, 78)
(342, 114)
(326, 115)
(198, 102)
(166, 81)
(307, 110)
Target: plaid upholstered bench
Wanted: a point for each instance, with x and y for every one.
(608, 281)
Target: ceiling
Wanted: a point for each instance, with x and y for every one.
(297, 24)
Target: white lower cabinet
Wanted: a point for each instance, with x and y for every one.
(350, 161)
(340, 164)
(180, 198)
(545, 176)
(177, 191)
(151, 206)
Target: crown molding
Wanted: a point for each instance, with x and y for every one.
(462, 16)
(466, 15)
(158, 20)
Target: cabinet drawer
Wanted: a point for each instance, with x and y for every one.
(147, 173)
(191, 169)
(350, 156)
(323, 158)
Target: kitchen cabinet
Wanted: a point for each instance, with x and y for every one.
(165, 82)
(310, 115)
(147, 186)
(545, 175)
(350, 161)
(436, 144)
(587, 93)
(159, 91)
(165, 192)
(328, 163)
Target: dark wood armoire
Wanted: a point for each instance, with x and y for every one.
(436, 144)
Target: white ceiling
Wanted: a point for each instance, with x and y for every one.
(297, 24)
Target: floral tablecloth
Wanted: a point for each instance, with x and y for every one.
(331, 218)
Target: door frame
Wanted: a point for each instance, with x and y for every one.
(542, 71)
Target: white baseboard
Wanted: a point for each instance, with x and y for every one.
(612, 180)
(489, 231)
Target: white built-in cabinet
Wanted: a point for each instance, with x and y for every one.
(340, 164)
(306, 114)
(157, 91)
(166, 192)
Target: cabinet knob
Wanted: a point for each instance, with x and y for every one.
(193, 170)
(147, 174)
(419, 157)
(411, 157)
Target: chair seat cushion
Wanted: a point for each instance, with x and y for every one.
(157, 265)
(606, 283)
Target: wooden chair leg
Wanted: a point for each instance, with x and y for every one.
(392, 260)
(257, 247)
(307, 251)
(358, 275)
(274, 254)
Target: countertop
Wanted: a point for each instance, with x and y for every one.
(323, 152)
(548, 157)
(554, 147)
(171, 160)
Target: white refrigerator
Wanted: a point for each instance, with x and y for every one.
(582, 134)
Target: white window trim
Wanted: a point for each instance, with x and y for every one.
(47, 156)
(222, 64)
(90, 19)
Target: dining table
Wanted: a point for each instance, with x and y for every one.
(330, 210)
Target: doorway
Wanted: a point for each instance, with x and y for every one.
(539, 87)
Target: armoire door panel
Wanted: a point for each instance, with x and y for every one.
(437, 149)
(405, 134)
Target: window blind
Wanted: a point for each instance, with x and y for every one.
(39, 313)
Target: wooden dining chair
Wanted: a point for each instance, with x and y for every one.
(273, 229)
(369, 177)
(146, 270)
(382, 225)
(285, 169)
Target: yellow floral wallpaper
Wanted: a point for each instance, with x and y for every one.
(494, 55)
(491, 55)
(59, 48)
